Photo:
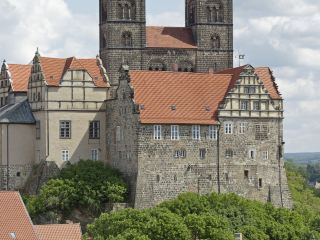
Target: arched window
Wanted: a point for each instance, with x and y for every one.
(214, 11)
(104, 12)
(215, 42)
(157, 65)
(126, 10)
(185, 66)
(191, 12)
(126, 39)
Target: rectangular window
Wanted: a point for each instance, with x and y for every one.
(202, 153)
(196, 132)
(38, 130)
(213, 132)
(246, 90)
(94, 154)
(182, 153)
(260, 183)
(176, 153)
(265, 155)
(228, 128)
(242, 127)
(252, 154)
(65, 129)
(175, 132)
(118, 134)
(1, 101)
(252, 90)
(229, 153)
(262, 132)
(244, 105)
(256, 106)
(65, 155)
(94, 130)
(157, 132)
(246, 174)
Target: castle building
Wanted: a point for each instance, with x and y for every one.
(163, 105)
(172, 132)
(53, 111)
(205, 43)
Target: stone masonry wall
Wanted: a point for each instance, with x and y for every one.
(273, 181)
(17, 177)
(122, 126)
(161, 176)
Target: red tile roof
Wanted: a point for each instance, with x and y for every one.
(20, 77)
(58, 232)
(196, 96)
(55, 68)
(265, 75)
(14, 218)
(170, 37)
(15, 223)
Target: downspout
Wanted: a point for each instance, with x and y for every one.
(218, 160)
(8, 175)
(48, 129)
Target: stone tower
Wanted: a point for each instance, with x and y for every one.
(204, 44)
(212, 25)
(122, 34)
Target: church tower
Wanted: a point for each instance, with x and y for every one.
(212, 25)
(122, 34)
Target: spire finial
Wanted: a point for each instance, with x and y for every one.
(37, 52)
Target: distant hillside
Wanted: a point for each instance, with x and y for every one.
(303, 158)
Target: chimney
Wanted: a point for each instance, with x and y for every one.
(175, 67)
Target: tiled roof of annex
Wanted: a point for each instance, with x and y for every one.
(16, 224)
(187, 98)
(20, 74)
(58, 232)
(170, 37)
(55, 68)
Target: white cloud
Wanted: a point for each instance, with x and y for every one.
(282, 34)
(47, 24)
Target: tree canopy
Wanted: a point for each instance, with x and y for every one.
(219, 217)
(86, 185)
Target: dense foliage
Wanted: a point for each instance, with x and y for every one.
(86, 185)
(192, 217)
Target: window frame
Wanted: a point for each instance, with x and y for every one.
(228, 128)
(64, 134)
(202, 153)
(242, 127)
(65, 155)
(157, 132)
(256, 106)
(213, 132)
(175, 132)
(265, 155)
(95, 154)
(94, 130)
(196, 132)
(229, 153)
(245, 105)
(38, 130)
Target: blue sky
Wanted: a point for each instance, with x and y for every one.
(281, 34)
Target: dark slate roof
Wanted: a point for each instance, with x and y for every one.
(17, 113)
